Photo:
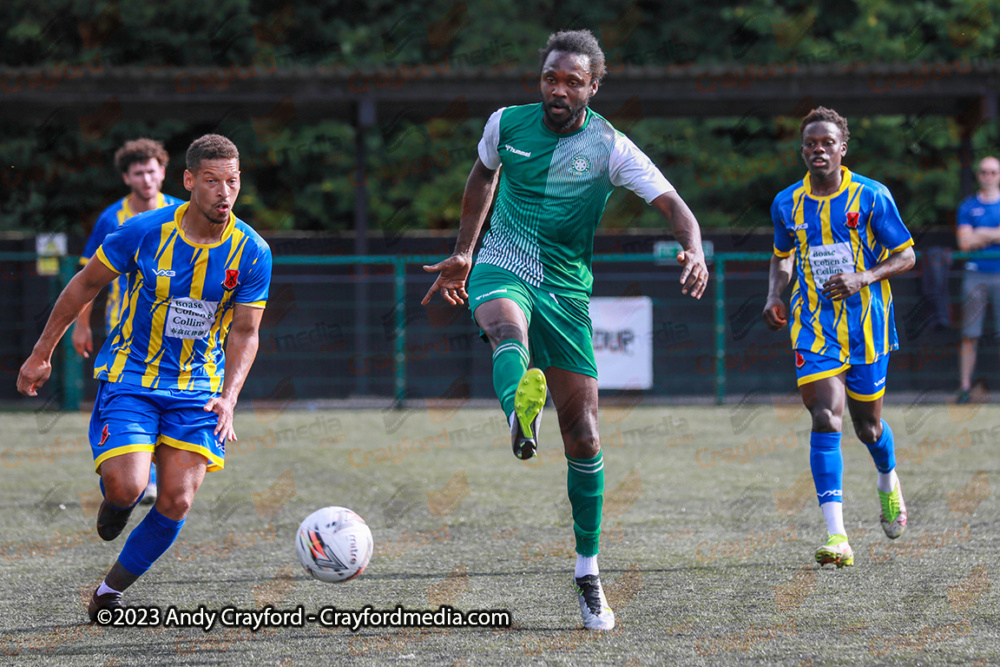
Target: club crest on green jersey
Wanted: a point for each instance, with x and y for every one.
(579, 164)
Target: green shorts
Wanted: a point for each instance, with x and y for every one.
(560, 332)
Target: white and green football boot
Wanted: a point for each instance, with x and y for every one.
(597, 615)
(528, 403)
(836, 551)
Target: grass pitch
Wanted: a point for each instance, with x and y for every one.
(710, 524)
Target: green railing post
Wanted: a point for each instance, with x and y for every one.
(399, 264)
(720, 330)
(71, 366)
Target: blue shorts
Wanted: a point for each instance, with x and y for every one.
(131, 418)
(865, 382)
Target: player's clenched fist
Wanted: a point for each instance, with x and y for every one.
(844, 285)
(33, 374)
(775, 314)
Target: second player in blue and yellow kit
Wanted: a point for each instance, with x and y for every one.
(176, 312)
(110, 219)
(849, 231)
(142, 163)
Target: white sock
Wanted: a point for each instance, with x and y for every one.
(104, 588)
(585, 565)
(887, 481)
(833, 514)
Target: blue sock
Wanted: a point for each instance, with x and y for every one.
(120, 509)
(148, 541)
(827, 463)
(883, 451)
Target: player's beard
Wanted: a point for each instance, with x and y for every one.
(141, 193)
(571, 118)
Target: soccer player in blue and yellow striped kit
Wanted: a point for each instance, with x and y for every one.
(197, 277)
(842, 236)
(142, 163)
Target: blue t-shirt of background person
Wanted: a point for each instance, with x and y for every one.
(976, 214)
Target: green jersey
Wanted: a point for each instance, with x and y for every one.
(552, 194)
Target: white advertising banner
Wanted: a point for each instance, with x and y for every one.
(623, 341)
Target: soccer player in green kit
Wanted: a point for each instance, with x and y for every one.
(530, 288)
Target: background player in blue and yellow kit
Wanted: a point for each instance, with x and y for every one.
(197, 276)
(142, 164)
(842, 235)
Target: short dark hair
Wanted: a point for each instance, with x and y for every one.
(140, 150)
(824, 115)
(576, 41)
(210, 147)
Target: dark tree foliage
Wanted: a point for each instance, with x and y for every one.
(57, 171)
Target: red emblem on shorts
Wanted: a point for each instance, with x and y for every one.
(852, 219)
(232, 278)
(800, 361)
(104, 436)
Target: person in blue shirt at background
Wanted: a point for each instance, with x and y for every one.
(978, 228)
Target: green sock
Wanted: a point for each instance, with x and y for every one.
(510, 360)
(585, 482)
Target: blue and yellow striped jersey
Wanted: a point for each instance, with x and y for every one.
(849, 231)
(179, 299)
(107, 222)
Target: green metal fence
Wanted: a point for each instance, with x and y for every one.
(69, 372)
(399, 264)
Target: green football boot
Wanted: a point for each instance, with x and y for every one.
(836, 551)
(528, 403)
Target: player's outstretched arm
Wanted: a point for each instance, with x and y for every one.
(241, 350)
(844, 285)
(453, 271)
(779, 275)
(79, 292)
(694, 277)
